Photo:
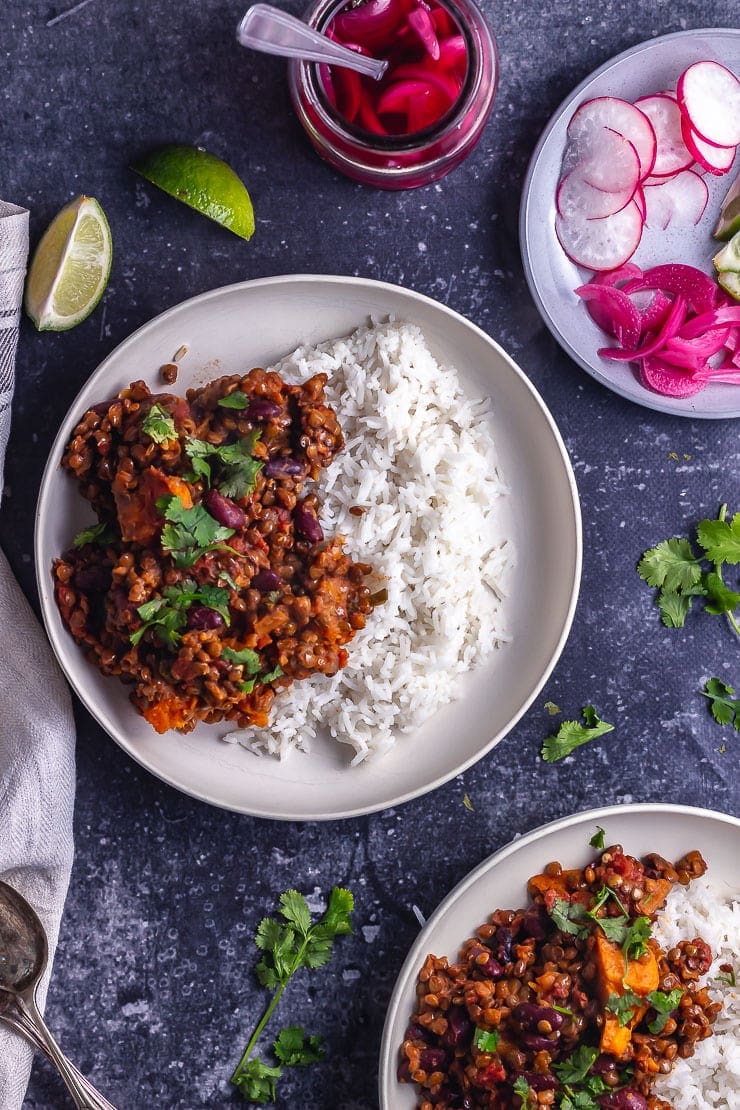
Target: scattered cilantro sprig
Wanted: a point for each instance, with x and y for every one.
(598, 840)
(680, 574)
(572, 734)
(236, 400)
(236, 467)
(167, 616)
(287, 945)
(158, 424)
(522, 1088)
(251, 662)
(624, 1006)
(484, 1040)
(96, 533)
(664, 1005)
(725, 709)
(189, 533)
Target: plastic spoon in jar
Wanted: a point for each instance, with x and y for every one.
(273, 31)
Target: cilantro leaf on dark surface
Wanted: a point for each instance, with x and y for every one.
(158, 424)
(484, 1040)
(578, 1100)
(236, 400)
(96, 533)
(256, 1082)
(674, 608)
(570, 917)
(719, 598)
(720, 538)
(664, 1005)
(189, 533)
(624, 1006)
(598, 840)
(725, 709)
(294, 1049)
(572, 735)
(671, 565)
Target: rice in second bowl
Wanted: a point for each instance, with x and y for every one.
(420, 462)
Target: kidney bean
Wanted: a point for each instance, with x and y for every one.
(94, 579)
(203, 619)
(432, 1059)
(415, 1033)
(492, 969)
(541, 1082)
(224, 510)
(283, 466)
(307, 523)
(626, 1099)
(529, 1016)
(102, 406)
(536, 922)
(265, 580)
(404, 1072)
(459, 1026)
(537, 1042)
(501, 944)
(262, 409)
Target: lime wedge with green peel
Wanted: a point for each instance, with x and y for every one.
(728, 259)
(729, 217)
(69, 270)
(202, 181)
(730, 282)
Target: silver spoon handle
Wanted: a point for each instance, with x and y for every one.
(85, 1097)
(273, 31)
(18, 1024)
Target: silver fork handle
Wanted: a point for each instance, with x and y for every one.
(85, 1096)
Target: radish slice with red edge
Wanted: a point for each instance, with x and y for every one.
(601, 244)
(709, 95)
(611, 164)
(670, 327)
(612, 311)
(714, 159)
(680, 201)
(640, 201)
(575, 197)
(676, 278)
(620, 116)
(662, 378)
(665, 116)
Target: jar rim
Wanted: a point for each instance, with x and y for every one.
(306, 73)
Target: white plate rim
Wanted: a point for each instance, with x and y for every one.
(653, 401)
(52, 463)
(410, 966)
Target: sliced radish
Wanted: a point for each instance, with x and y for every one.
(714, 159)
(620, 116)
(680, 201)
(661, 378)
(665, 116)
(576, 197)
(601, 244)
(709, 95)
(605, 159)
(640, 201)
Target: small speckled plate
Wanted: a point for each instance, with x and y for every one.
(255, 323)
(552, 277)
(500, 882)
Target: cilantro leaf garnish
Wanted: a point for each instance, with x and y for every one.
(614, 928)
(664, 1005)
(237, 469)
(675, 569)
(96, 533)
(236, 400)
(572, 734)
(246, 658)
(224, 576)
(158, 424)
(570, 917)
(624, 1006)
(189, 533)
(294, 1049)
(578, 1100)
(249, 684)
(561, 1009)
(577, 1066)
(598, 839)
(522, 1088)
(635, 941)
(167, 616)
(485, 1041)
(725, 709)
(288, 943)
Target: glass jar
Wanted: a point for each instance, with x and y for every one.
(400, 161)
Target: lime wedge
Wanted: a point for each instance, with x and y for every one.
(728, 259)
(729, 217)
(202, 181)
(730, 282)
(69, 270)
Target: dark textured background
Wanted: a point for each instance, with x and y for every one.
(153, 993)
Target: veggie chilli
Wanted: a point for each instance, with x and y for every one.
(568, 1003)
(207, 582)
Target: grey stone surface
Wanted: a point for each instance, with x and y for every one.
(154, 993)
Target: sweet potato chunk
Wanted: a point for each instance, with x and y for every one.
(138, 516)
(640, 976)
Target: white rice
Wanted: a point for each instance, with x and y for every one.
(420, 460)
(711, 1078)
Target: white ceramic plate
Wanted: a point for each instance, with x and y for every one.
(552, 277)
(500, 882)
(230, 330)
